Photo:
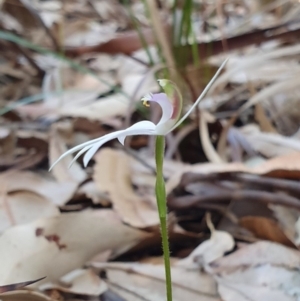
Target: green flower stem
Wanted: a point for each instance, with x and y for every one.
(161, 199)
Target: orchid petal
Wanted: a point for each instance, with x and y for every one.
(95, 146)
(144, 127)
(85, 149)
(140, 128)
(174, 96)
(73, 150)
(166, 107)
(164, 128)
(165, 104)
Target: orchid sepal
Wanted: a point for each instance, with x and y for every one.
(144, 127)
(202, 95)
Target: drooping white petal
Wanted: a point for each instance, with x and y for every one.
(85, 149)
(92, 149)
(140, 128)
(73, 150)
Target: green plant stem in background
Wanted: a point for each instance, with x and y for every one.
(174, 23)
(183, 32)
(139, 31)
(161, 199)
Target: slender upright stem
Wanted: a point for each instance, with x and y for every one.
(160, 191)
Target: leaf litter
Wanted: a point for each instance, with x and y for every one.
(232, 171)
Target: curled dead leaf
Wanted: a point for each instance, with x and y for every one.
(214, 248)
(41, 184)
(113, 177)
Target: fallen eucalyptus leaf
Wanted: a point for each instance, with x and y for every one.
(52, 247)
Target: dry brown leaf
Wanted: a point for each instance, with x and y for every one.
(268, 149)
(286, 219)
(259, 271)
(207, 146)
(39, 183)
(7, 143)
(23, 295)
(102, 109)
(219, 243)
(238, 290)
(260, 282)
(263, 121)
(284, 166)
(139, 280)
(283, 112)
(10, 23)
(269, 144)
(265, 228)
(205, 168)
(61, 171)
(16, 286)
(19, 151)
(80, 281)
(297, 235)
(49, 12)
(112, 175)
(53, 247)
(110, 11)
(144, 174)
(138, 84)
(253, 63)
(23, 207)
(136, 78)
(79, 97)
(270, 91)
(91, 191)
(267, 72)
(259, 253)
(87, 33)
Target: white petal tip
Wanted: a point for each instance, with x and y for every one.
(87, 158)
(85, 163)
(122, 139)
(53, 165)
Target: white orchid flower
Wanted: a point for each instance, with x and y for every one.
(170, 103)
